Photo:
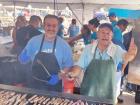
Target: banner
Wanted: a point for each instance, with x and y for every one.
(126, 13)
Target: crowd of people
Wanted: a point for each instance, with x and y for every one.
(103, 60)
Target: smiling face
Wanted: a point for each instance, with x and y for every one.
(104, 36)
(50, 27)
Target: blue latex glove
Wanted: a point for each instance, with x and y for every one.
(23, 57)
(54, 79)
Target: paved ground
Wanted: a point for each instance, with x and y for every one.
(129, 99)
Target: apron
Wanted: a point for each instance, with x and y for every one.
(40, 76)
(99, 79)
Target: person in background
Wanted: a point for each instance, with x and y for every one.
(118, 39)
(73, 29)
(112, 18)
(61, 27)
(92, 29)
(122, 24)
(51, 57)
(40, 26)
(93, 24)
(24, 34)
(20, 22)
(119, 29)
(100, 60)
(85, 35)
(127, 86)
(127, 39)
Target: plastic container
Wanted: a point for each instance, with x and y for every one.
(68, 85)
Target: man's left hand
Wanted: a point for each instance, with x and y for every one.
(132, 51)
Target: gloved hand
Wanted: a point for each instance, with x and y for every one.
(54, 79)
(23, 57)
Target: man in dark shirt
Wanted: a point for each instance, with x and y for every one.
(24, 34)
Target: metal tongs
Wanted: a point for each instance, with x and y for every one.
(46, 70)
(70, 77)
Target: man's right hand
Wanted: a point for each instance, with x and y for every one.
(54, 79)
(74, 72)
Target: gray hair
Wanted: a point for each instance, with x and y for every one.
(50, 16)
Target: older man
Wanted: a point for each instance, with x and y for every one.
(49, 55)
(100, 60)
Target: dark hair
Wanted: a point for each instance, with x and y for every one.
(73, 21)
(50, 16)
(21, 18)
(85, 26)
(123, 22)
(39, 18)
(106, 25)
(94, 22)
(61, 19)
(34, 18)
(21, 21)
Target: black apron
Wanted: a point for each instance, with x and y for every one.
(99, 79)
(39, 75)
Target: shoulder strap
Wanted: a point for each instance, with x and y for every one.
(54, 44)
(95, 52)
(41, 43)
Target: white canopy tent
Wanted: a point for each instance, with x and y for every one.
(82, 9)
(79, 1)
(130, 4)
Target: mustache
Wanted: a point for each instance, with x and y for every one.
(51, 30)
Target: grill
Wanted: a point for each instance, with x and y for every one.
(11, 95)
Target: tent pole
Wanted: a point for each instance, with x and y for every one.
(57, 8)
(54, 6)
(74, 14)
(14, 3)
(83, 12)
